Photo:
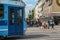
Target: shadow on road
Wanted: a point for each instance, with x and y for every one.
(29, 37)
(35, 36)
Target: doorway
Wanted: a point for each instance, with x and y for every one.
(57, 20)
(15, 21)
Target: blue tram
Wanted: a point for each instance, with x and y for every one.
(12, 18)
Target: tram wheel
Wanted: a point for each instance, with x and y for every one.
(3, 38)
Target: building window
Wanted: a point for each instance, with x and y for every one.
(17, 0)
(1, 11)
(38, 11)
(46, 0)
(50, 2)
(42, 6)
(58, 2)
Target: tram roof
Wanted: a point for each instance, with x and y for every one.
(17, 3)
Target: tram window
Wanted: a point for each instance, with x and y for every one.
(11, 16)
(19, 16)
(17, 0)
(1, 11)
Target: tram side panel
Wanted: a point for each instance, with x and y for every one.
(3, 20)
(24, 21)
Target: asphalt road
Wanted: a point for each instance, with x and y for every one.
(36, 33)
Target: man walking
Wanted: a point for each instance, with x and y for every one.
(51, 22)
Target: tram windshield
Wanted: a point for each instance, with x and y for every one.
(1, 11)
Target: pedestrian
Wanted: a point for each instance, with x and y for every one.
(43, 25)
(51, 23)
(47, 25)
(39, 23)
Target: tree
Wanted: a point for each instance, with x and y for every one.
(31, 16)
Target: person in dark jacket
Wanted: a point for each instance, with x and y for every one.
(51, 23)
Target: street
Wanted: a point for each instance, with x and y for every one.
(36, 33)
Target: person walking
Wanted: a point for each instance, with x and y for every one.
(51, 23)
(43, 25)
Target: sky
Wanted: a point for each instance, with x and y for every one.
(30, 4)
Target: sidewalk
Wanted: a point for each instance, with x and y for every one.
(50, 34)
(32, 29)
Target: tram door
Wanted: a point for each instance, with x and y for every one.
(11, 21)
(15, 21)
(19, 25)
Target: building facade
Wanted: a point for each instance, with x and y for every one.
(51, 8)
(46, 8)
(56, 11)
(38, 9)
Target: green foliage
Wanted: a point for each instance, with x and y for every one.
(31, 16)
